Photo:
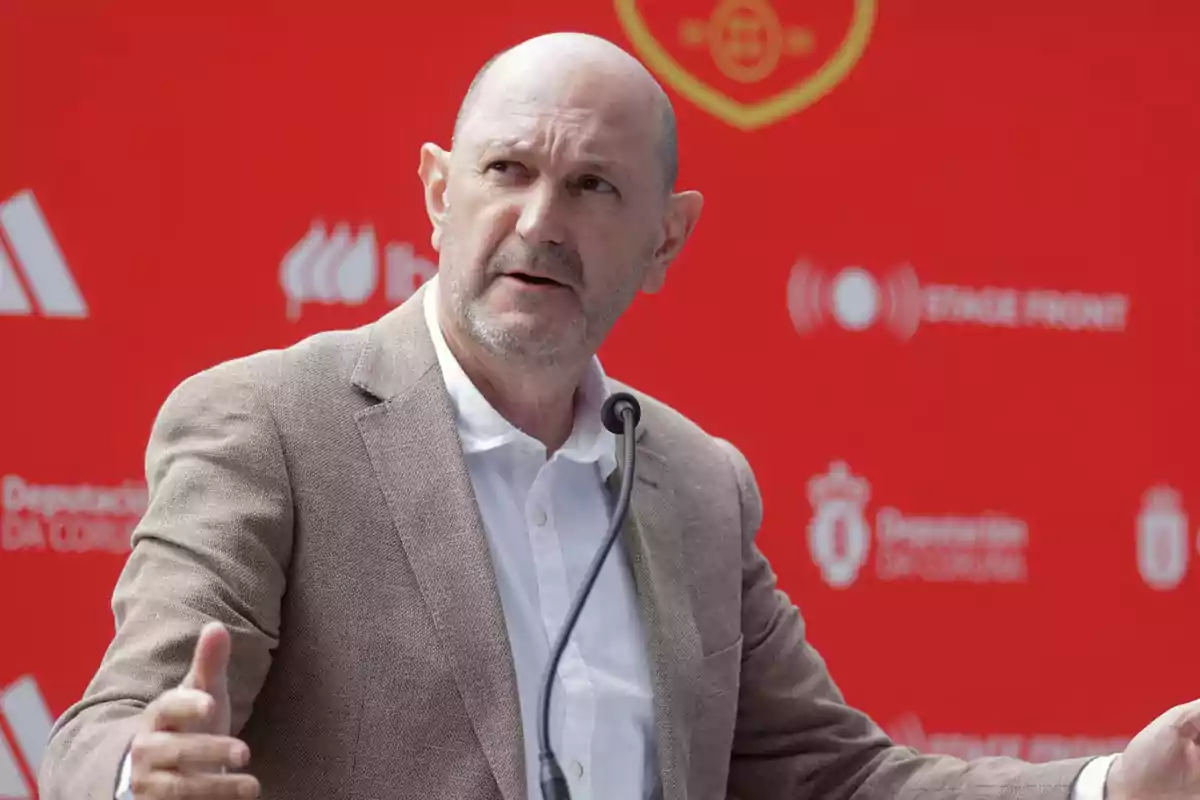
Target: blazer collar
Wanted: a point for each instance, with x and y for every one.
(397, 353)
(417, 458)
(654, 538)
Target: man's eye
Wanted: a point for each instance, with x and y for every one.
(505, 167)
(590, 183)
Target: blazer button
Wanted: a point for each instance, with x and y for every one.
(577, 770)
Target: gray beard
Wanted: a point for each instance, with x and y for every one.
(537, 351)
(507, 343)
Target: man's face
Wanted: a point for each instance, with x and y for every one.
(553, 218)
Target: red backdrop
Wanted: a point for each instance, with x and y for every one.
(948, 262)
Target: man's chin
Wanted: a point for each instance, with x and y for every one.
(519, 335)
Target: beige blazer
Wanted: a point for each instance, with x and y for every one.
(315, 500)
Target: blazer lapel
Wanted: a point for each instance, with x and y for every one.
(414, 448)
(653, 537)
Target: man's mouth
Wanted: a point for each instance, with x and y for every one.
(533, 280)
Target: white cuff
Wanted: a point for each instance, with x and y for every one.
(1090, 785)
(124, 778)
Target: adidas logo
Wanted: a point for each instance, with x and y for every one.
(337, 267)
(28, 251)
(25, 724)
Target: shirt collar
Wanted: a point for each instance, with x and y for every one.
(482, 428)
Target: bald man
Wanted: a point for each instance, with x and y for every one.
(358, 550)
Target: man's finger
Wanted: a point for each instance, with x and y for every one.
(173, 786)
(187, 752)
(181, 710)
(210, 659)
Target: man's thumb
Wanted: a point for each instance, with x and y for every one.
(210, 660)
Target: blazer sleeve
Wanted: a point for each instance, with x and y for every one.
(796, 738)
(213, 544)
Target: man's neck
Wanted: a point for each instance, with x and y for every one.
(536, 399)
(545, 411)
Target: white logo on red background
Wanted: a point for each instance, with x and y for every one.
(1163, 548)
(838, 535)
(937, 548)
(69, 519)
(338, 267)
(32, 255)
(908, 731)
(855, 299)
(28, 721)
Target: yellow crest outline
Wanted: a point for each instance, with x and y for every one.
(749, 116)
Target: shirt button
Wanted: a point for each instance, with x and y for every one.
(539, 517)
(577, 770)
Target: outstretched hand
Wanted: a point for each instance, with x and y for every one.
(184, 745)
(1163, 761)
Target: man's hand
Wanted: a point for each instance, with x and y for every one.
(1163, 761)
(184, 745)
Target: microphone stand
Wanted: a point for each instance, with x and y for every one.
(620, 414)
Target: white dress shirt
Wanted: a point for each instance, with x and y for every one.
(544, 519)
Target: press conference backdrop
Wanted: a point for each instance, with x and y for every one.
(943, 294)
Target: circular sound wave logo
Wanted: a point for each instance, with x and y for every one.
(854, 299)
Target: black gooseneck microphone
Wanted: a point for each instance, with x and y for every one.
(620, 414)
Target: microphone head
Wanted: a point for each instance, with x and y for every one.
(612, 414)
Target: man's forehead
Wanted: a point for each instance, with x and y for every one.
(594, 129)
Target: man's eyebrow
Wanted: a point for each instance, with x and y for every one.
(507, 143)
(522, 146)
(603, 166)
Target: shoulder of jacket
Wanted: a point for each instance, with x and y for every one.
(320, 357)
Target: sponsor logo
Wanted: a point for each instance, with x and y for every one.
(936, 548)
(838, 535)
(855, 299)
(69, 519)
(28, 722)
(750, 63)
(29, 252)
(908, 731)
(1162, 539)
(337, 267)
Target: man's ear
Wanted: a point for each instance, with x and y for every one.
(435, 174)
(683, 211)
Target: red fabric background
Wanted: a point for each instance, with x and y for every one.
(178, 156)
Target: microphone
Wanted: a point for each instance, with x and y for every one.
(620, 415)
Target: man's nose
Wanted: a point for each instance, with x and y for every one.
(542, 214)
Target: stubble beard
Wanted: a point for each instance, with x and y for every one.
(523, 344)
(518, 343)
